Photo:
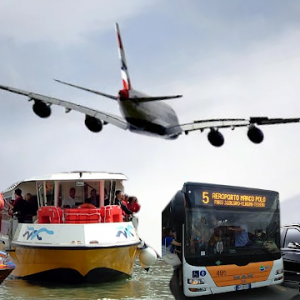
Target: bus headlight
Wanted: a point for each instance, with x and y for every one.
(195, 281)
(280, 271)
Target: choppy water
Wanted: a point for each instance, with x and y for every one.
(142, 285)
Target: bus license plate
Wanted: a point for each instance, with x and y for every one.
(243, 287)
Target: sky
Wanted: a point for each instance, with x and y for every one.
(228, 59)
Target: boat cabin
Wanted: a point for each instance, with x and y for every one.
(92, 200)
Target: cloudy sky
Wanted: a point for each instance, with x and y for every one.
(229, 59)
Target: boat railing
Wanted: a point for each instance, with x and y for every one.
(57, 215)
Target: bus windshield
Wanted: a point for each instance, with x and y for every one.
(231, 236)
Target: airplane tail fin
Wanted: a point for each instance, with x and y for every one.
(124, 69)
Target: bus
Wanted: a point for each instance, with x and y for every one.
(230, 237)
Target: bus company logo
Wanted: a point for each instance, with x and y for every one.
(196, 274)
(261, 268)
(32, 233)
(243, 276)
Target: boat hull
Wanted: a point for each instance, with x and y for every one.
(4, 274)
(69, 264)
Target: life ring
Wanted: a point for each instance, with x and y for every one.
(86, 205)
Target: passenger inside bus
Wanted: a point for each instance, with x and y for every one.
(241, 237)
(199, 238)
(218, 242)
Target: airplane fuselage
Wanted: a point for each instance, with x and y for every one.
(151, 118)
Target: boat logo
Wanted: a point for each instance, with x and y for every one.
(126, 231)
(32, 233)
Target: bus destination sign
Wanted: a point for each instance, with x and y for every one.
(233, 199)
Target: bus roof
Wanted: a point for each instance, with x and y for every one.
(212, 185)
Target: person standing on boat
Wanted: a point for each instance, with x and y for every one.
(120, 202)
(70, 201)
(19, 205)
(125, 199)
(31, 207)
(106, 198)
(94, 199)
(133, 204)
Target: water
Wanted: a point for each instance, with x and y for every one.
(142, 285)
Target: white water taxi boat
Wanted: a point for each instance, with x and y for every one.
(81, 243)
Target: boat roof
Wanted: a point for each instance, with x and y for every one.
(69, 176)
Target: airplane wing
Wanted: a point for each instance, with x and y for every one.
(232, 123)
(88, 90)
(216, 138)
(103, 116)
(155, 98)
(137, 99)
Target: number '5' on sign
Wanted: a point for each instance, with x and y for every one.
(205, 198)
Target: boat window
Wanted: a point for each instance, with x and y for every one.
(49, 193)
(107, 192)
(64, 193)
(40, 193)
(91, 193)
(112, 192)
(45, 193)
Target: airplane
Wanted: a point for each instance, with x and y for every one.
(146, 114)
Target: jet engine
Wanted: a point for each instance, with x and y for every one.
(255, 134)
(41, 109)
(93, 124)
(215, 137)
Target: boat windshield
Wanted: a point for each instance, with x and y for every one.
(228, 236)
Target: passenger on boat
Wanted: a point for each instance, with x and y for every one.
(119, 201)
(1, 202)
(133, 204)
(94, 199)
(31, 207)
(70, 201)
(106, 198)
(19, 205)
(125, 199)
(125, 203)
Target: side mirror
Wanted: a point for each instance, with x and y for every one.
(178, 208)
(293, 245)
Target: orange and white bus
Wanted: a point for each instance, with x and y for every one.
(230, 237)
